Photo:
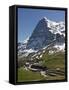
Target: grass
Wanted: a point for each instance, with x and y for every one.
(24, 75)
(56, 60)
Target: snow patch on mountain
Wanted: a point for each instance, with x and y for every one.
(51, 52)
(60, 47)
(55, 27)
(29, 50)
(26, 40)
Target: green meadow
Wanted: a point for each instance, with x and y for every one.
(53, 61)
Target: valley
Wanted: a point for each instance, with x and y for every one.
(42, 55)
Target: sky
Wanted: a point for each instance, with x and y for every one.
(28, 19)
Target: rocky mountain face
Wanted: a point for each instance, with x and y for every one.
(41, 36)
(46, 33)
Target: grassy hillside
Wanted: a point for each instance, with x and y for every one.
(53, 61)
(24, 75)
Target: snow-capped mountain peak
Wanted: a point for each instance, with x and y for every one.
(47, 33)
(45, 18)
(56, 27)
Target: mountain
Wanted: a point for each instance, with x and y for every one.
(22, 46)
(46, 35)
(26, 40)
(45, 32)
